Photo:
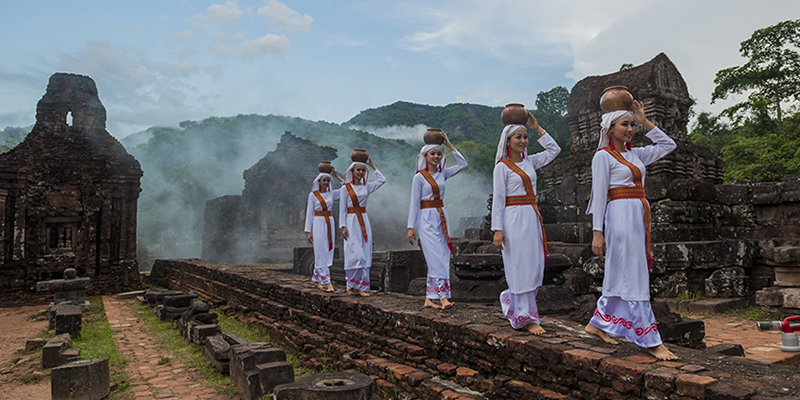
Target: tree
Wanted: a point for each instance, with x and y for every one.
(625, 66)
(553, 101)
(771, 75)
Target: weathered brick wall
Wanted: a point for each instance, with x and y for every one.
(469, 351)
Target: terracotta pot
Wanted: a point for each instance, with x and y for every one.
(514, 113)
(359, 155)
(325, 167)
(433, 136)
(616, 98)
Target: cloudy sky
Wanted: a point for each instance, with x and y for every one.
(159, 62)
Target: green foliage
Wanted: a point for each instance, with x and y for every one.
(771, 75)
(625, 66)
(11, 136)
(553, 101)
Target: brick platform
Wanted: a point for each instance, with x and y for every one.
(467, 352)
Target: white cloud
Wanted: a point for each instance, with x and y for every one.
(236, 47)
(217, 15)
(284, 18)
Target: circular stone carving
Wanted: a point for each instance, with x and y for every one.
(330, 386)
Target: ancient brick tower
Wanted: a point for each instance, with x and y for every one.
(68, 196)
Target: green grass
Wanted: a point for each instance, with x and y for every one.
(686, 296)
(758, 313)
(97, 341)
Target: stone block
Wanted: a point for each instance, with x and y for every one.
(717, 306)
(55, 352)
(68, 319)
(273, 374)
(179, 300)
(206, 318)
(661, 379)
(693, 385)
(728, 349)
(167, 313)
(691, 190)
(201, 332)
(233, 339)
(728, 282)
(156, 297)
(33, 344)
(791, 297)
(216, 348)
(732, 194)
(80, 380)
(770, 296)
(330, 386)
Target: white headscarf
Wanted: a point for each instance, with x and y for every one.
(348, 175)
(502, 145)
(315, 185)
(422, 163)
(605, 139)
(608, 119)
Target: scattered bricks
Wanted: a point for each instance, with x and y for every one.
(604, 350)
(201, 332)
(481, 332)
(661, 379)
(692, 368)
(582, 359)
(589, 388)
(84, 380)
(641, 359)
(466, 376)
(543, 354)
(415, 378)
(609, 394)
(519, 387)
(450, 395)
(727, 391)
(273, 374)
(431, 388)
(546, 394)
(487, 385)
(179, 300)
(625, 387)
(432, 363)
(670, 364)
(400, 371)
(447, 369)
(68, 319)
(693, 385)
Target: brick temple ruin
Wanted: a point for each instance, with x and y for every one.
(265, 223)
(68, 197)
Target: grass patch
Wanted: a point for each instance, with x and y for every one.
(686, 296)
(97, 341)
(757, 313)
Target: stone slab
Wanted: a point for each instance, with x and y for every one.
(81, 380)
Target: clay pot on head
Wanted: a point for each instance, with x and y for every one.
(325, 167)
(433, 136)
(616, 98)
(359, 155)
(514, 113)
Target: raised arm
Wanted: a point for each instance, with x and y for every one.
(461, 163)
(551, 150)
(378, 182)
(662, 145)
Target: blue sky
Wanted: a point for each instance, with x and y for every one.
(162, 62)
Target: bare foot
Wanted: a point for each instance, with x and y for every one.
(446, 304)
(318, 286)
(431, 304)
(535, 329)
(593, 330)
(363, 293)
(330, 288)
(351, 291)
(662, 353)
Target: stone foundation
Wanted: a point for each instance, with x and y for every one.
(468, 351)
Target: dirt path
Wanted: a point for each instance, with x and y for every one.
(15, 329)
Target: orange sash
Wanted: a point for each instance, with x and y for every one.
(357, 209)
(436, 203)
(636, 192)
(324, 213)
(528, 199)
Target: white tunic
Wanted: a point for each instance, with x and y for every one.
(357, 252)
(323, 257)
(523, 251)
(428, 223)
(626, 274)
